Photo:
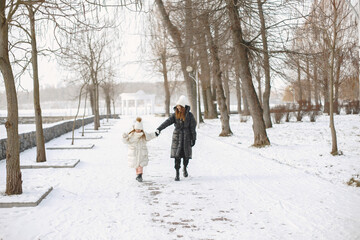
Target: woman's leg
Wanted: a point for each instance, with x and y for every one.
(177, 163)
(185, 163)
(177, 167)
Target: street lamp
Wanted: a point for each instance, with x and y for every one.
(189, 69)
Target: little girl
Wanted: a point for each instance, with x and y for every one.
(138, 153)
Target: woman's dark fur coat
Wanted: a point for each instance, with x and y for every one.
(183, 134)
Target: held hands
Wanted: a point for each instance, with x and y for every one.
(192, 143)
(125, 135)
(157, 132)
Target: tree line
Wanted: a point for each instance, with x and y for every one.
(309, 45)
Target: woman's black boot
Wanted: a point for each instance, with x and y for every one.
(185, 172)
(177, 177)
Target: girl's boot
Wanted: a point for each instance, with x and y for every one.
(139, 177)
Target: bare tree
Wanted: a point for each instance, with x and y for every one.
(40, 141)
(182, 46)
(205, 73)
(161, 51)
(266, 65)
(335, 6)
(86, 53)
(76, 115)
(260, 135)
(13, 173)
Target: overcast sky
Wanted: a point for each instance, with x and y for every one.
(131, 67)
(132, 60)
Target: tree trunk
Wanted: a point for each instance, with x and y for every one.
(260, 135)
(334, 149)
(83, 118)
(337, 83)
(326, 89)
(40, 142)
(308, 81)
(108, 105)
(266, 97)
(227, 89)
(214, 97)
(258, 79)
(91, 89)
(97, 107)
(166, 84)
(13, 173)
(204, 94)
(221, 100)
(76, 115)
(113, 103)
(238, 89)
(316, 84)
(246, 111)
(300, 95)
(183, 50)
(210, 111)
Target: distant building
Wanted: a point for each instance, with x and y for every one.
(138, 103)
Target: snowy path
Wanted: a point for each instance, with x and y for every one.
(230, 194)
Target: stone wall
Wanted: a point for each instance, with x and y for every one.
(28, 140)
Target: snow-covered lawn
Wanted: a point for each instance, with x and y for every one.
(302, 145)
(234, 191)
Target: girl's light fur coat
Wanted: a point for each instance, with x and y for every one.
(137, 151)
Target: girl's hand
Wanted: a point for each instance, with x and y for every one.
(125, 135)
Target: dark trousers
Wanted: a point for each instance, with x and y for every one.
(178, 162)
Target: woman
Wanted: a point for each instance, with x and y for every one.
(184, 135)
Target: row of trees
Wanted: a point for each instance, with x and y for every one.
(78, 28)
(209, 37)
(309, 44)
(328, 34)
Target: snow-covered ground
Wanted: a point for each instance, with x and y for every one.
(293, 189)
(303, 145)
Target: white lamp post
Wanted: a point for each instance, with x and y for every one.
(189, 69)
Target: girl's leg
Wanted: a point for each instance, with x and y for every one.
(139, 170)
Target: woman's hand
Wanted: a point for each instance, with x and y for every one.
(125, 135)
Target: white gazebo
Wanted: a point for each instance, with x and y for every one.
(138, 103)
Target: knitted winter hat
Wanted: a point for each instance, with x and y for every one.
(138, 124)
(182, 101)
